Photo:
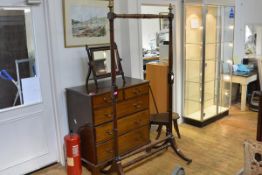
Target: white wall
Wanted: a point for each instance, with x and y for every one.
(259, 40)
(123, 36)
(68, 66)
(151, 27)
(247, 12)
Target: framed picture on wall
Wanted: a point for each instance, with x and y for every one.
(164, 23)
(85, 22)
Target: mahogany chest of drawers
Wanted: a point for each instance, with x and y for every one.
(90, 115)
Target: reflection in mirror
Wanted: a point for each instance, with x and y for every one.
(103, 62)
(100, 59)
(253, 40)
(100, 63)
(19, 82)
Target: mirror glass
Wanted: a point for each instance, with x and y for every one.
(102, 60)
(253, 40)
(19, 81)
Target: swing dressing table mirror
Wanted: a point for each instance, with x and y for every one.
(100, 63)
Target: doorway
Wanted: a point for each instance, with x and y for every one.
(155, 36)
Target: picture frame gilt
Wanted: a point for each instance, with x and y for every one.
(85, 23)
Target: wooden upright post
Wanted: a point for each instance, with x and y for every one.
(116, 166)
(259, 121)
(170, 69)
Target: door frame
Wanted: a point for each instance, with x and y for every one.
(49, 8)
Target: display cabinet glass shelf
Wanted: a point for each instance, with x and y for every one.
(208, 57)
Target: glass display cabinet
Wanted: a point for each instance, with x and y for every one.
(208, 57)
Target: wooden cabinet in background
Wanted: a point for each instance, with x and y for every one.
(90, 115)
(157, 73)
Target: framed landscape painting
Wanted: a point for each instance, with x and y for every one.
(85, 23)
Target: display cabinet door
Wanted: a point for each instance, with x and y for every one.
(212, 24)
(193, 62)
(227, 49)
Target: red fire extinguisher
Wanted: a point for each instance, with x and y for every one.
(73, 157)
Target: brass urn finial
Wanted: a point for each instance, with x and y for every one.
(111, 5)
(170, 8)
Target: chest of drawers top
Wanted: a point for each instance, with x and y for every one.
(104, 86)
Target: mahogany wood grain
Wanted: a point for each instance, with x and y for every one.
(259, 121)
(105, 99)
(78, 115)
(102, 115)
(134, 139)
(104, 151)
(127, 143)
(136, 91)
(140, 16)
(105, 87)
(123, 108)
(133, 121)
(104, 132)
(131, 106)
(87, 145)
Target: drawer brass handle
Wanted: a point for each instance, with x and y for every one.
(108, 115)
(137, 91)
(137, 106)
(137, 139)
(109, 150)
(109, 132)
(107, 99)
(137, 122)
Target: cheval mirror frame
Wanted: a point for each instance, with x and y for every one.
(93, 67)
(156, 146)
